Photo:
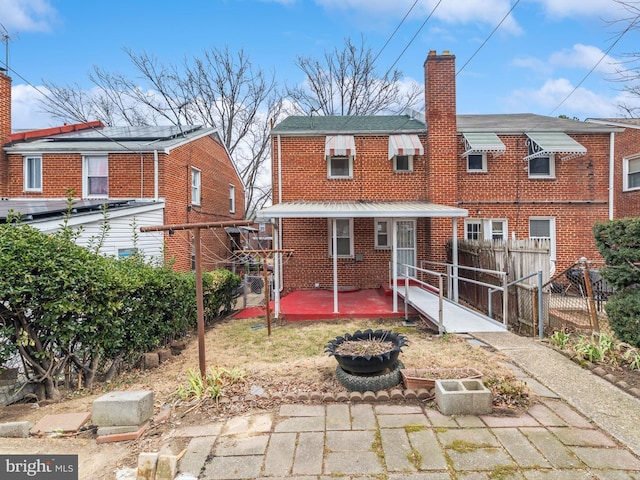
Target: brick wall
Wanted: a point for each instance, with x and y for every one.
(626, 204)
(131, 175)
(5, 127)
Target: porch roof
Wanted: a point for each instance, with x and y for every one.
(353, 209)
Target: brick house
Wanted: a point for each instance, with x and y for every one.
(146, 176)
(626, 167)
(383, 190)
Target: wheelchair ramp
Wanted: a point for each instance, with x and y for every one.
(456, 319)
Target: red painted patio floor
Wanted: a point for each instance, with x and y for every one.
(318, 305)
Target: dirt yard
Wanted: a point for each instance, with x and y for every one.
(290, 360)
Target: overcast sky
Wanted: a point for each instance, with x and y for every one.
(548, 57)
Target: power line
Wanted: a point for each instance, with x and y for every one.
(490, 35)
(394, 32)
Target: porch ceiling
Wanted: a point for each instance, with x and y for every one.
(360, 210)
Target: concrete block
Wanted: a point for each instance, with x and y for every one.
(116, 430)
(15, 429)
(167, 468)
(122, 408)
(463, 397)
(147, 463)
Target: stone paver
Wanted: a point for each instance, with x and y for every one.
(411, 440)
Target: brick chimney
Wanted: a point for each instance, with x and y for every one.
(440, 108)
(5, 128)
(442, 146)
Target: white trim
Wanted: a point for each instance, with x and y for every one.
(409, 164)
(377, 245)
(25, 173)
(330, 158)
(302, 209)
(232, 198)
(482, 169)
(198, 187)
(552, 234)
(333, 224)
(85, 175)
(625, 173)
(552, 167)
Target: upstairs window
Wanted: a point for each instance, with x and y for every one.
(340, 167)
(631, 170)
(403, 163)
(33, 174)
(477, 162)
(95, 176)
(196, 186)
(232, 199)
(542, 167)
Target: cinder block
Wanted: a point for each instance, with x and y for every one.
(463, 397)
(15, 429)
(119, 429)
(122, 408)
(147, 463)
(167, 468)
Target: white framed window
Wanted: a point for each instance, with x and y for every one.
(477, 162)
(382, 227)
(232, 199)
(344, 237)
(403, 163)
(542, 167)
(544, 228)
(262, 227)
(340, 167)
(32, 174)
(631, 174)
(473, 229)
(95, 176)
(196, 186)
(485, 229)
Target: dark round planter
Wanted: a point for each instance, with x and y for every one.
(370, 364)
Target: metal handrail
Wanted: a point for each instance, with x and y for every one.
(408, 278)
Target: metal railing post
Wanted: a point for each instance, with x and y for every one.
(406, 292)
(540, 315)
(449, 281)
(505, 299)
(490, 300)
(440, 307)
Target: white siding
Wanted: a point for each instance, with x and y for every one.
(121, 232)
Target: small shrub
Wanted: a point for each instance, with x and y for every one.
(588, 348)
(211, 385)
(560, 338)
(623, 310)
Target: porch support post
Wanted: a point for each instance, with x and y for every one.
(334, 250)
(454, 254)
(277, 265)
(394, 263)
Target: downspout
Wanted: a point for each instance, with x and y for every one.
(454, 255)
(279, 275)
(334, 243)
(156, 174)
(611, 175)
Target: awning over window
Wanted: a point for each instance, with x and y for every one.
(405, 145)
(543, 144)
(485, 142)
(339, 146)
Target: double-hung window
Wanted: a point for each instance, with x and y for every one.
(344, 237)
(485, 229)
(32, 174)
(95, 176)
(383, 233)
(196, 186)
(631, 171)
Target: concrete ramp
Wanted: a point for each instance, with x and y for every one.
(456, 319)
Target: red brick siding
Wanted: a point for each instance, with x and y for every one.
(626, 204)
(131, 175)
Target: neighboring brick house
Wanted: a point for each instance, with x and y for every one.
(345, 182)
(626, 168)
(146, 175)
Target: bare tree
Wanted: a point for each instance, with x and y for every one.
(221, 90)
(629, 72)
(346, 83)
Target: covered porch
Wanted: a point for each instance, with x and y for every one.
(396, 213)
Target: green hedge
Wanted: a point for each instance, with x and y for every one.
(61, 304)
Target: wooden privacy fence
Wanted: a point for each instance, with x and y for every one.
(519, 258)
